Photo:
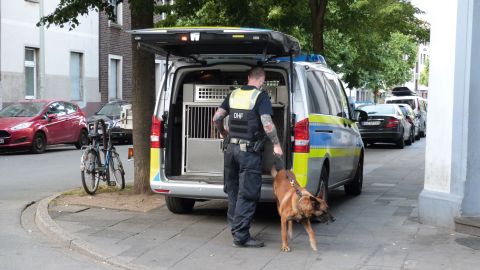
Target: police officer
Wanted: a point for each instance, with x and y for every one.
(250, 120)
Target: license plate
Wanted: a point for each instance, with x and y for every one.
(2, 141)
(371, 123)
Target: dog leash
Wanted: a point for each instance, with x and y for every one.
(279, 165)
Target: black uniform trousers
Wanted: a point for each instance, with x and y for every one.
(242, 183)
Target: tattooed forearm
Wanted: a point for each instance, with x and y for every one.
(269, 128)
(217, 120)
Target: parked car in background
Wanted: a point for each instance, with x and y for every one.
(110, 113)
(35, 124)
(412, 119)
(419, 106)
(386, 123)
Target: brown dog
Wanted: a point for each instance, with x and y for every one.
(296, 203)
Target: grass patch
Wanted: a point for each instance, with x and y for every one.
(103, 188)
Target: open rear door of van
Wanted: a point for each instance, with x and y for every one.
(202, 41)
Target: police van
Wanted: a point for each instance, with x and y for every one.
(315, 123)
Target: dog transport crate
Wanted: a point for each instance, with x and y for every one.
(201, 144)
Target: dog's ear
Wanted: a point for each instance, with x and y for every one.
(274, 171)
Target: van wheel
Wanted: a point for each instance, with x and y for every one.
(179, 205)
(323, 188)
(354, 187)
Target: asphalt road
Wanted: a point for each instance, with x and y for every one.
(24, 178)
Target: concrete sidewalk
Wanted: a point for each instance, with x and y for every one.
(377, 230)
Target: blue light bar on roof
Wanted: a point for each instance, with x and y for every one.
(312, 58)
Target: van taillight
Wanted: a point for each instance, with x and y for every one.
(301, 137)
(156, 134)
(392, 122)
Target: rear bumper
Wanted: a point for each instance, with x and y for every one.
(380, 136)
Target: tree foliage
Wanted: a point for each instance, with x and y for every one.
(425, 73)
(357, 36)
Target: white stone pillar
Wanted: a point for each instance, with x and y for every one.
(448, 122)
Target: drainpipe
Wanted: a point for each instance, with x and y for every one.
(41, 89)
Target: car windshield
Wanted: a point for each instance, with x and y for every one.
(110, 109)
(22, 109)
(410, 102)
(378, 109)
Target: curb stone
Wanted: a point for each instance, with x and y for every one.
(67, 240)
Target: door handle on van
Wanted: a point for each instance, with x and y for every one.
(323, 131)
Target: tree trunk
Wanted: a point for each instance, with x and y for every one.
(143, 96)
(318, 9)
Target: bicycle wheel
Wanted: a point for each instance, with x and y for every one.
(115, 168)
(90, 178)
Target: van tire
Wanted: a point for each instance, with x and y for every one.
(354, 187)
(323, 185)
(179, 205)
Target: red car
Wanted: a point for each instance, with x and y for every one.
(35, 124)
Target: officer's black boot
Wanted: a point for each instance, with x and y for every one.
(251, 242)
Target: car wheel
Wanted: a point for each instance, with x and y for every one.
(423, 133)
(354, 187)
(179, 205)
(417, 137)
(400, 143)
(82, 140)
(323, 188)
(39, 143)
(410, 139)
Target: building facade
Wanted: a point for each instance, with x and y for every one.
(47, 63)
(115, 58)
(115, 54)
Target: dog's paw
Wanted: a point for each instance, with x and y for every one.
(285, 249)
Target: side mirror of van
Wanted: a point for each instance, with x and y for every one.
(360, 116)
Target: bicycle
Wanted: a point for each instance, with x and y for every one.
(91, 166)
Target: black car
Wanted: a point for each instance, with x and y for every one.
(110, 113)
(386, 123)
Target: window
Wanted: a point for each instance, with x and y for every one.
(316, 96)
(76, 75)
(30, 64)
(117, 12)
(333, 96)
(114, 77)
(57, 108)
(159, 71)
(70, 108)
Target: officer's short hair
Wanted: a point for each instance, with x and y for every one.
(256, 72)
